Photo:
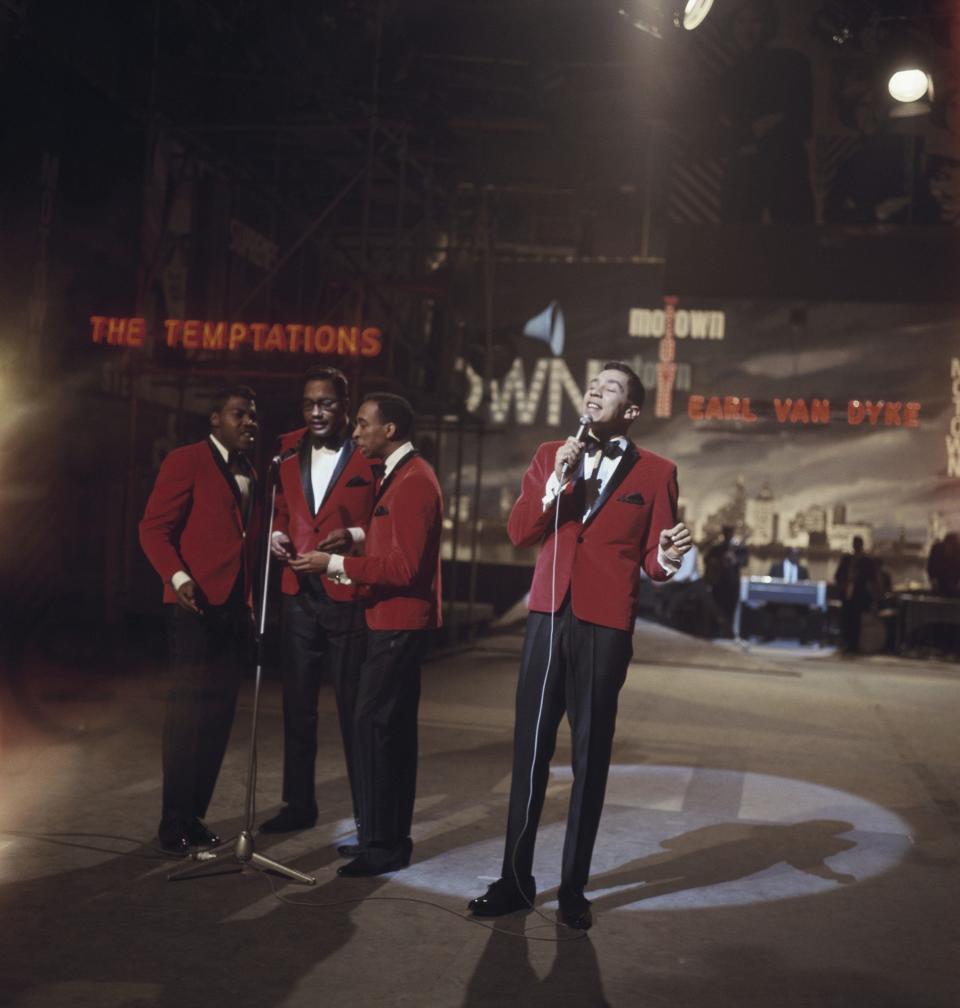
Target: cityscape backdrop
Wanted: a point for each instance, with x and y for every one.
(801, 424)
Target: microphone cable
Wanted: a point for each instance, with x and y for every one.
(584, 420)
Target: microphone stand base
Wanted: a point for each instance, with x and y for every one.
(244, 855)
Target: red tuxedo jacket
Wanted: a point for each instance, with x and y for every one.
(598, 560)
(402, 561)
(193, 522)
(347, 504)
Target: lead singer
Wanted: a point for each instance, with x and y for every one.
(613, 514)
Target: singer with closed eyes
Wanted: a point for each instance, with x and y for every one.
(324, 499)
(601, 508)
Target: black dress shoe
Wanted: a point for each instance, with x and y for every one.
(503, 897)
(350, 849)
(175, 838)
(290, 818)
(377, 861)
(575, 909)
(201, 836)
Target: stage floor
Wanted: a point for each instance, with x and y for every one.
(780, 829)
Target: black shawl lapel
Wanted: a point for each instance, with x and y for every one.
(393, 472)
(630, 458)
(225, 472)
(306, 477)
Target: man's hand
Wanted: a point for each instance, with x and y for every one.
(281, 547)
(338, 541)
(187, 597)
(569, 452)
(676, 541)
(313, 562)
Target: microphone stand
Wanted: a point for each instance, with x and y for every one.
(244, 853)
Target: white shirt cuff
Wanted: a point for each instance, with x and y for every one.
(668, 565)
(178, 579)
(552, 491)
(335, 570)
(358, 535)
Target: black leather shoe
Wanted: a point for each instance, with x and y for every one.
(377, 861)
(290, 818)
(175, 838)
(503, 897)
(201, 836)
(350, 849)
(575, 909)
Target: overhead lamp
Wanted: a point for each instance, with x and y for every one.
(907, 79)
(658, 17)
(910, 84)
(694, 11)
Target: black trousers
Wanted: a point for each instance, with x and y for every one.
(850, 612)
(322, 640)
(586, 670)
(385, 734)
(207, 657)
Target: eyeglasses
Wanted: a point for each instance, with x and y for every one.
(324, 405)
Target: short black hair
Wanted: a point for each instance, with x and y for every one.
(322, 372)
(396, 410)
(230, 392)
(636, 393)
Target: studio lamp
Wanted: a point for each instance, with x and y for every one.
(658, 17)
(909, 84)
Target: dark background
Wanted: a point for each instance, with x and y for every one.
(443, 171)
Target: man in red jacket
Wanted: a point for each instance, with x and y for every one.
(401, 571)
(199, 532)
(601, 511)
(324, 500)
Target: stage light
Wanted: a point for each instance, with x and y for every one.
(909, 84)
(694, 12)
(657, 17)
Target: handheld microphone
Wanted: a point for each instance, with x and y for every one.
(581, 430)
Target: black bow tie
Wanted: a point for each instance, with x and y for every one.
(377, 469)
(331, 443)
(237, 460)
(610, 449)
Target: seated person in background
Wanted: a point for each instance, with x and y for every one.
(789, 568)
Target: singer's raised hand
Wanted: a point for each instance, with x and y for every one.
(568, 454)
(676, 541)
